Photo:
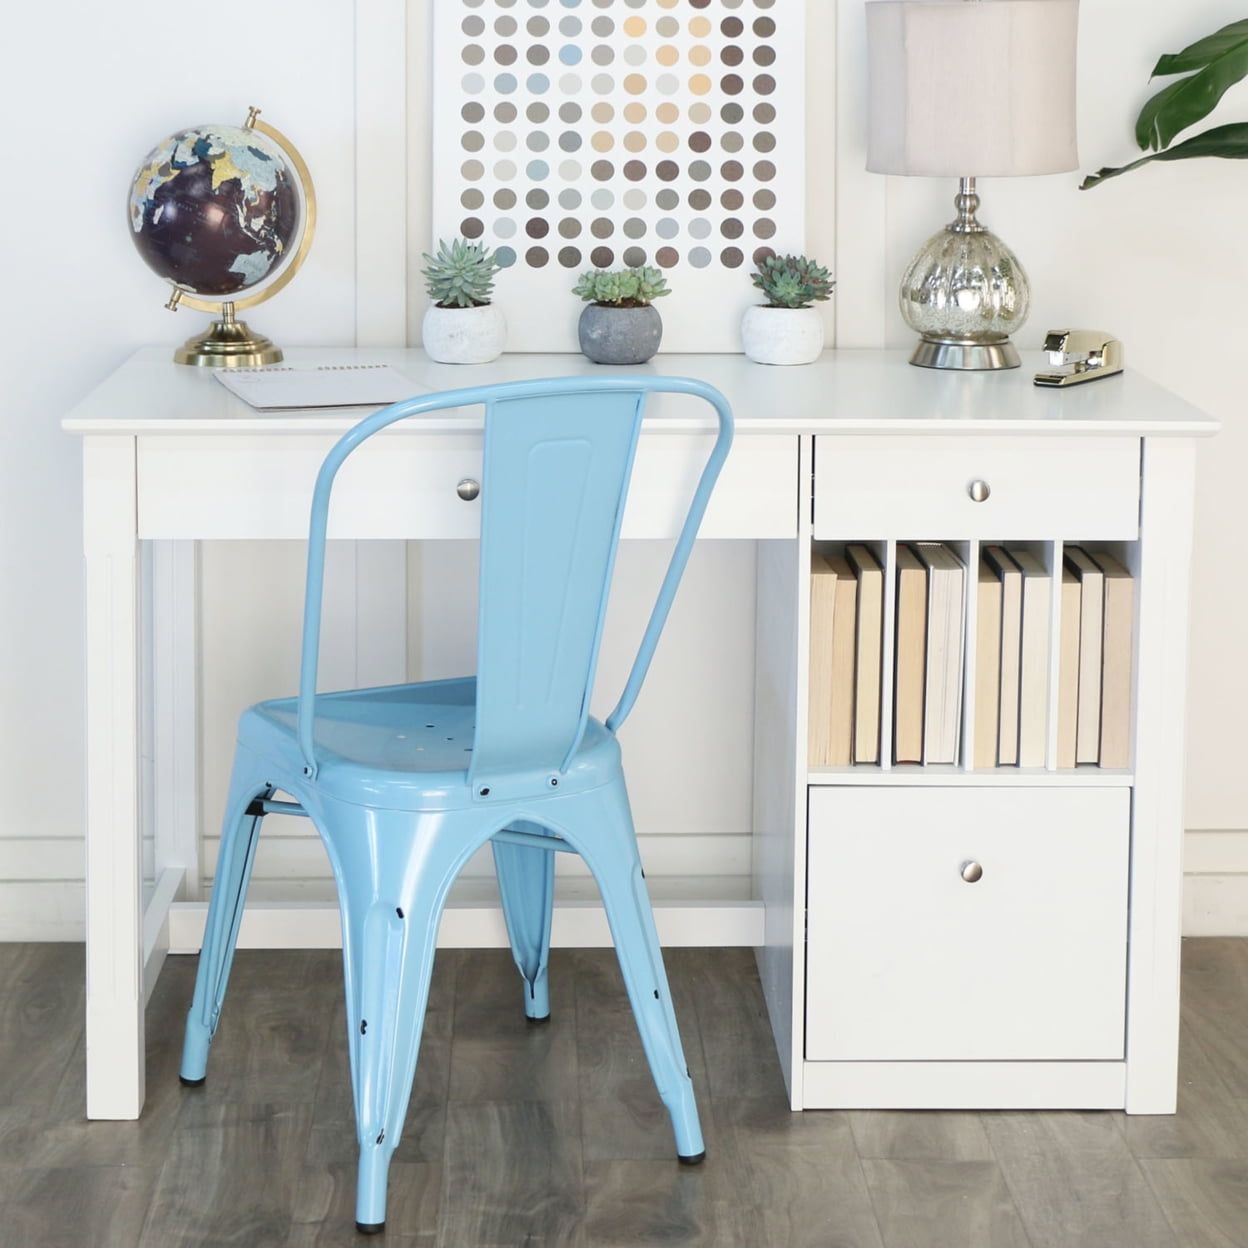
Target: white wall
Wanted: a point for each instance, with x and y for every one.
(87, 90)
(1159, 258)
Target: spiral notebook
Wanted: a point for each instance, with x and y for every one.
(282, 387)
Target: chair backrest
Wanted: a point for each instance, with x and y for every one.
(558, 461)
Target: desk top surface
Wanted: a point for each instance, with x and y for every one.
(843, 392)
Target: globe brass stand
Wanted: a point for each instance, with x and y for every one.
(227, 342)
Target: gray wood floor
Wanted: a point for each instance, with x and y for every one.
(553, 1135)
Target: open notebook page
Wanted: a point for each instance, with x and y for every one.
(325, 385)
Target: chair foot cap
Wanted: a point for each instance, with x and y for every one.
(370, 1228)
(192, 1083)
(695, 1159)
(536, 1022)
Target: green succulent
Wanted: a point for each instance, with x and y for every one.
(461, 275)
(621, 288)
(792, 281)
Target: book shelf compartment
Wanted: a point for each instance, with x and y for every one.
(1050, 554)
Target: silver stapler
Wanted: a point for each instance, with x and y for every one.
(1080, 355)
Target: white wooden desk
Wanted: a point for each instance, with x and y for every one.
(171, 458)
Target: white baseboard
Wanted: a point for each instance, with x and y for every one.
(577, 924)
(1215, 883)
(38, 910)
(1215, 896)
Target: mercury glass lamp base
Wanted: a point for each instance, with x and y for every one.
(964, 294)
(967, 356)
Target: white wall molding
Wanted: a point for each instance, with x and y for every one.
(1215, 882)
(1215, 894)
(862, 290)
(380, 173)
(475, 925)
(174, 709)
(380, 606)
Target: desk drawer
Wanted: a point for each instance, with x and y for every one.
(907, 961)
(906, 488)
(404, 486)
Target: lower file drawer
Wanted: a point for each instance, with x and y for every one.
(975, 924)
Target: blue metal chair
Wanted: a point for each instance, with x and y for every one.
(406, 783)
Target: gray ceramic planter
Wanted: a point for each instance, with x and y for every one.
(619, 335)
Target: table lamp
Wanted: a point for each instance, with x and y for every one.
(966, 88)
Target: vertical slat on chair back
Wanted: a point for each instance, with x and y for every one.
(558, 458)
(556, 475)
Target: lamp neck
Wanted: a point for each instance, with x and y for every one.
(967, 203)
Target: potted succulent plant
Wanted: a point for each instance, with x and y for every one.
(788, 328)
(461, 325)
(619, 324)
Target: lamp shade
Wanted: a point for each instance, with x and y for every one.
(972, 88)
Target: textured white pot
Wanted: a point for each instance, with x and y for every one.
(782, 335)
(464, 335)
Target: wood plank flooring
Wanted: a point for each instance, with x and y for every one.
(553, 1135)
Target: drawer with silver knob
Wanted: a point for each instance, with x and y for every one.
(1001, 488)
(951, 923)
(434, 486)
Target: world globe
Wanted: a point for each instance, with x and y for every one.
(213, 209)
(223, 213)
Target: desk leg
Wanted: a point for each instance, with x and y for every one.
(1154, 946)
(115, 1057)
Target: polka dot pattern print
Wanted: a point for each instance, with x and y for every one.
(575, 134)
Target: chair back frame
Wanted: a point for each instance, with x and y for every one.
(497, 400)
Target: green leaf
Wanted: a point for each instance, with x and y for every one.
(1225, 142)
(1200, 53)
(1147, 132)
(1221, 60)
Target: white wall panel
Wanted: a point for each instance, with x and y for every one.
(1156, 258)
(111, 81)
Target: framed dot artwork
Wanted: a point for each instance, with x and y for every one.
(578, 134)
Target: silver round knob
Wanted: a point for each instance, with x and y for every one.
(972, 872)
(468, 489)
(979, 490)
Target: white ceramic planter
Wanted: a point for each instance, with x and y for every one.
(464, 335)
(782, 335)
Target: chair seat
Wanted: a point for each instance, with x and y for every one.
(404, 747)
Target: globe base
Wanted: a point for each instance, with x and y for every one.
(227, 343)
(931, 352)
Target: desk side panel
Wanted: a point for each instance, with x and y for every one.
(1162, 566)
(781, 671)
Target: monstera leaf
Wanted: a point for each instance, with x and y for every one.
(1213, 65)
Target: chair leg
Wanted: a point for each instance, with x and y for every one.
(526, 884)
(611, 852)
(240, 835)
(393, 871)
